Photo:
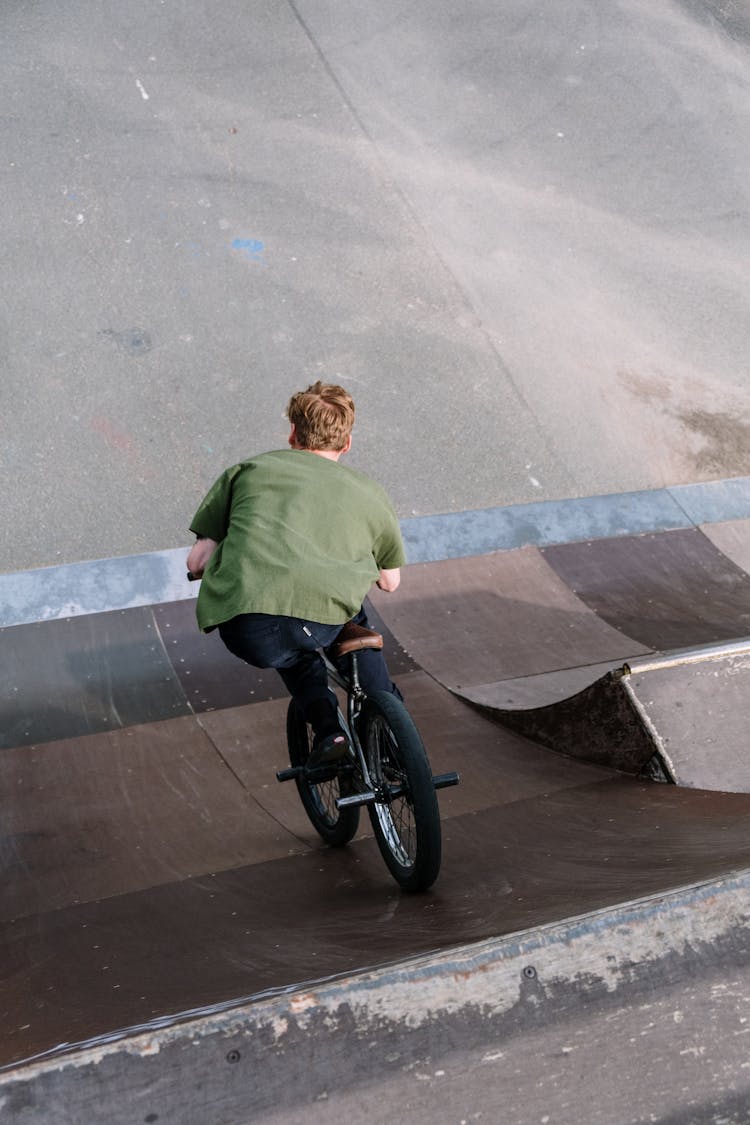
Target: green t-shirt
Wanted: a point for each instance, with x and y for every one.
(299, 535)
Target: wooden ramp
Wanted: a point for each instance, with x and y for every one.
(156, 876)
(589, 648)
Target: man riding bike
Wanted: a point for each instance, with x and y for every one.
(288, 545)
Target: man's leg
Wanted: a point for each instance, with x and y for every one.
(289, 645)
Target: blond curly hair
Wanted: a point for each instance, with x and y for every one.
(322, 416)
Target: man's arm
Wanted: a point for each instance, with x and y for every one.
(389, 580)
(199, 556)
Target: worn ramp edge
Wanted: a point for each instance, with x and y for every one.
(283, 1049)
(599, 724)
(679, 717)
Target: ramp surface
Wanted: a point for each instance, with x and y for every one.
(161, 882)
(154, 866)
(696, 708)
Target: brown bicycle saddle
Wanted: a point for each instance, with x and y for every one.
(352, 638)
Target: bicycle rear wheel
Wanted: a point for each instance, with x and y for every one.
(405, 817)
(336, 826)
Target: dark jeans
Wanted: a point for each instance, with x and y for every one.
(289, 644)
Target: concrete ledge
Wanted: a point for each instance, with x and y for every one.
(151, 579)
(73, 590)
(285, 1050)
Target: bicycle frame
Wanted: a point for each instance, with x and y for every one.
(369, 792)
(355, 697)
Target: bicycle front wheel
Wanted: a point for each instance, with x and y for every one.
(336, 826)
(405, 817)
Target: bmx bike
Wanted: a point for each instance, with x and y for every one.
(387, 771)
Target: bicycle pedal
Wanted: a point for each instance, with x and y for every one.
(291, 773)
(318, 774)
(443, 780)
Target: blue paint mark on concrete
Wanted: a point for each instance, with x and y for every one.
(252, 248)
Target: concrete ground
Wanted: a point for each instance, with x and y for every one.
(658, 1061)
(518, 233)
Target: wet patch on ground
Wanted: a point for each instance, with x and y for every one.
(726, 442)
(709, 441)
(732, 16)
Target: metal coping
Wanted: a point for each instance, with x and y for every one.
(699, 655)
(105, 585)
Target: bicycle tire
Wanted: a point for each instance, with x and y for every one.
(336, 826)
(406, 817)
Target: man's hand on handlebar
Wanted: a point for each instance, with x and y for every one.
(199, 556)
(389, 580)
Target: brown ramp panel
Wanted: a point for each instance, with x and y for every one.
(669, 590)
(108, 814)
(475, 623)
(732, 537)
(81, 675)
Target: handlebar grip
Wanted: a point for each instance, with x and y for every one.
(193, 577)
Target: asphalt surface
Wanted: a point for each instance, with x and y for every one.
(518, 234)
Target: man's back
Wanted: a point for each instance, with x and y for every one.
(299, 535)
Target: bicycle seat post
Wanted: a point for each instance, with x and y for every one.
(350, 641)
(356, 687)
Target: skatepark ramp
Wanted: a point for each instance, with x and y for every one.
(176, 943)
(582, 648)
(679, 718)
